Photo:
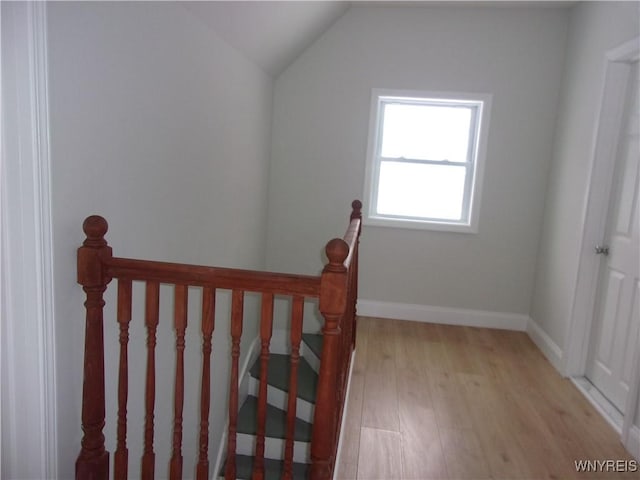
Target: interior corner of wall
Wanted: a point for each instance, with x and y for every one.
(546, 344)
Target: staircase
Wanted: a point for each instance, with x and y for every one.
(277, 396)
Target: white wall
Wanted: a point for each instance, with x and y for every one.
(164, 129)
(595, 28)
(321, 110)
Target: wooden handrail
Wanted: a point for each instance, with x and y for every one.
(338, 294)
(216, 277)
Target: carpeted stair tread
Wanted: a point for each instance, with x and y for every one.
(276, 422)
(278, 375)
(272, 468)
(314, 342)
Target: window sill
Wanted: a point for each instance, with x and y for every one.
(419, 225)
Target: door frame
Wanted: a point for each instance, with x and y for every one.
(29, 396)
(601, 173)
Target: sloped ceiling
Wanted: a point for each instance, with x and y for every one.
(274, 33)
(270, 33)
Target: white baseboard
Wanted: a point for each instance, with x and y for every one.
(598, 401)
(633, 443)
(464, 317)
(443, 315)
(547, 346)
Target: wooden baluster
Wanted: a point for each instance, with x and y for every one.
(208, 323)
(296, 337)
(180, 321)
(152, 308)
(237, 307)
(332, 306)
(93, 459)
(266, 330)
(121, 456)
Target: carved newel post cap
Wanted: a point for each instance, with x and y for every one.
(337, 251)
(356, 209)
(95, 227)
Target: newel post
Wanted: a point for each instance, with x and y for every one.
(333, 301)
(93, 460)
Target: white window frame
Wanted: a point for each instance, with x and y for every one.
(475, 161)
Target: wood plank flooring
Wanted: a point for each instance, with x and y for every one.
(452, 403)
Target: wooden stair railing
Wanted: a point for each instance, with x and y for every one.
(338, 296)
(336, 289)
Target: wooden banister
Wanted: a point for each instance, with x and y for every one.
(338, 295)
(356, 214)
(336, 289)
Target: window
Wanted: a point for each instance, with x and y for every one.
(425, 159)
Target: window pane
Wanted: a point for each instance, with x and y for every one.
(421, 190)
(426, 132)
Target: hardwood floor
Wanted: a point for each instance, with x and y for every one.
(443, 402)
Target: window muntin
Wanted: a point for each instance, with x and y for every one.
(425, 159)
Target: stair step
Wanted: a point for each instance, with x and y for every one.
(276, 422)
(279, 399)
(279, 373)
(314, 342)
(272, 469)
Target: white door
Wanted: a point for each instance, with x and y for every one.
(616, 329)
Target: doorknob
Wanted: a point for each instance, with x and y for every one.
(602, 250)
